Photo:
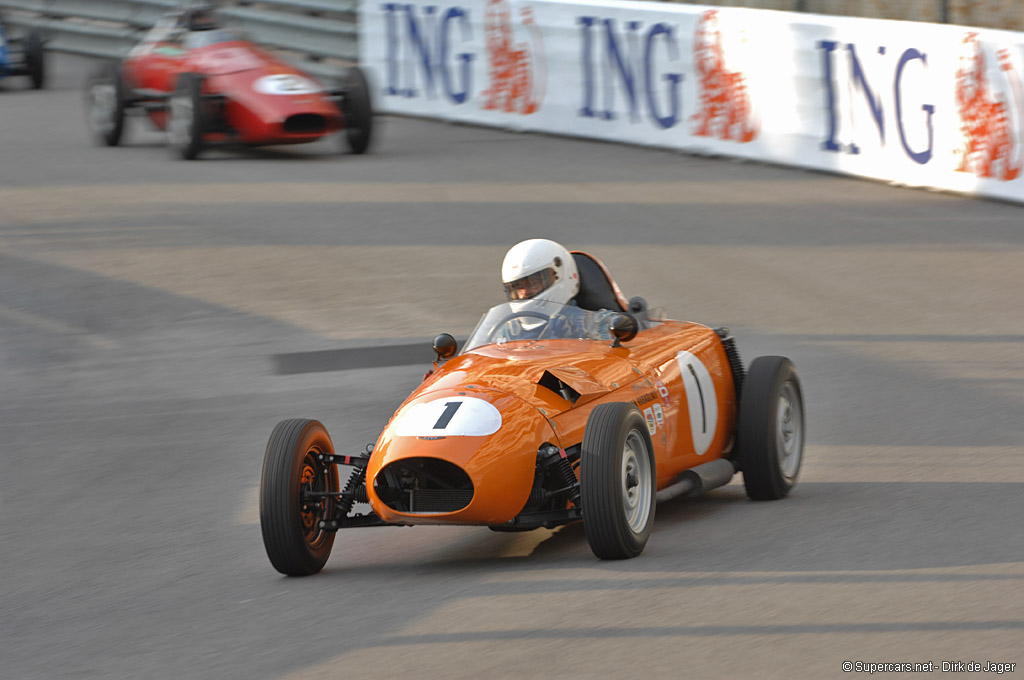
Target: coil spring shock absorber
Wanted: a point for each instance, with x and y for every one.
(354, 491)
(569, 478)
(735, 363)
(558, 459)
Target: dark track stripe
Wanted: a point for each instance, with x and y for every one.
(352, 358)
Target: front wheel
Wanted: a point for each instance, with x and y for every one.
(35, 60)
(186, 120)
(290, 508)
(357, 109)
(104, 104)
(617, 481)
(770, 437)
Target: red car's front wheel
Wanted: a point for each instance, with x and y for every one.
(105, 105)
(358, 110)
(186, 122)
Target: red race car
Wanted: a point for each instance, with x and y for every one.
(205, 84)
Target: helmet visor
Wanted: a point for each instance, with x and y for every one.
(530, 286)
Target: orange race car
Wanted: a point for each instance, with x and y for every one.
(550, 414)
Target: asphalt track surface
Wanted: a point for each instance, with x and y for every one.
(158, 317)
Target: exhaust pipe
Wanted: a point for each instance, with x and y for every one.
(704, 477)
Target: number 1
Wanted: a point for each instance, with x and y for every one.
(700, 391)
(446, 417)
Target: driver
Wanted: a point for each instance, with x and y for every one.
(199, 16)
(540, 275)
(539, 269)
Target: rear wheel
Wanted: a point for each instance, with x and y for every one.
(617, 481)
(186, 119)
(35, 61)
(770, 439)
(357, 110)
(104, 104)
(290, 515)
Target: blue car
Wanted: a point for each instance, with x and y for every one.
(22, 56)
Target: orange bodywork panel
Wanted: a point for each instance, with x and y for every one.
(683, 385)
(500, 463)
(489, 410)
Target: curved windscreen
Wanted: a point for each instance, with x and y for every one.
(539, 320)
(197, 39)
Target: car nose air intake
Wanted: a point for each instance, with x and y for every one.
(305, 123)
(424, 486)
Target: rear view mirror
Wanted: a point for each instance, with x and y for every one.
(445, 346)
(624, 328)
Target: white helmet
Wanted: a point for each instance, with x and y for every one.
(539, 271)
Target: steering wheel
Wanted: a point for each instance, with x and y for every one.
(523, 315)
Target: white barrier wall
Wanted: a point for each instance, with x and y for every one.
(917, 104)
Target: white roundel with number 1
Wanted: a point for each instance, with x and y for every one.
(286, 83)
(449, 417)
(701, 400)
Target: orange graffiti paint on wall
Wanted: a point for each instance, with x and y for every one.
(516, 77)
(990, 143)
(725, 108)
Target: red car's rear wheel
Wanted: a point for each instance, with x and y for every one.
(35, 59)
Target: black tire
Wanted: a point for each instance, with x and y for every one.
(770, 435)
(617, 517)
(295, 543)
(357, 109)
(35, 59)
(186, 117)
(104, 104)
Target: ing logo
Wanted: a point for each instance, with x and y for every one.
(725, 108)
(516, 70)
(991, 147)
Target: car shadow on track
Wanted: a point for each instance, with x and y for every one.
(320, 152)
(850, 526)
(821, 528)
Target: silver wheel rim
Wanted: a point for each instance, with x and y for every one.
(635, 481)
(789, 431)
(102, 104)
(179, 122)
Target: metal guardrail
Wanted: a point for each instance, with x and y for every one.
(316, 30)
(311, 31)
